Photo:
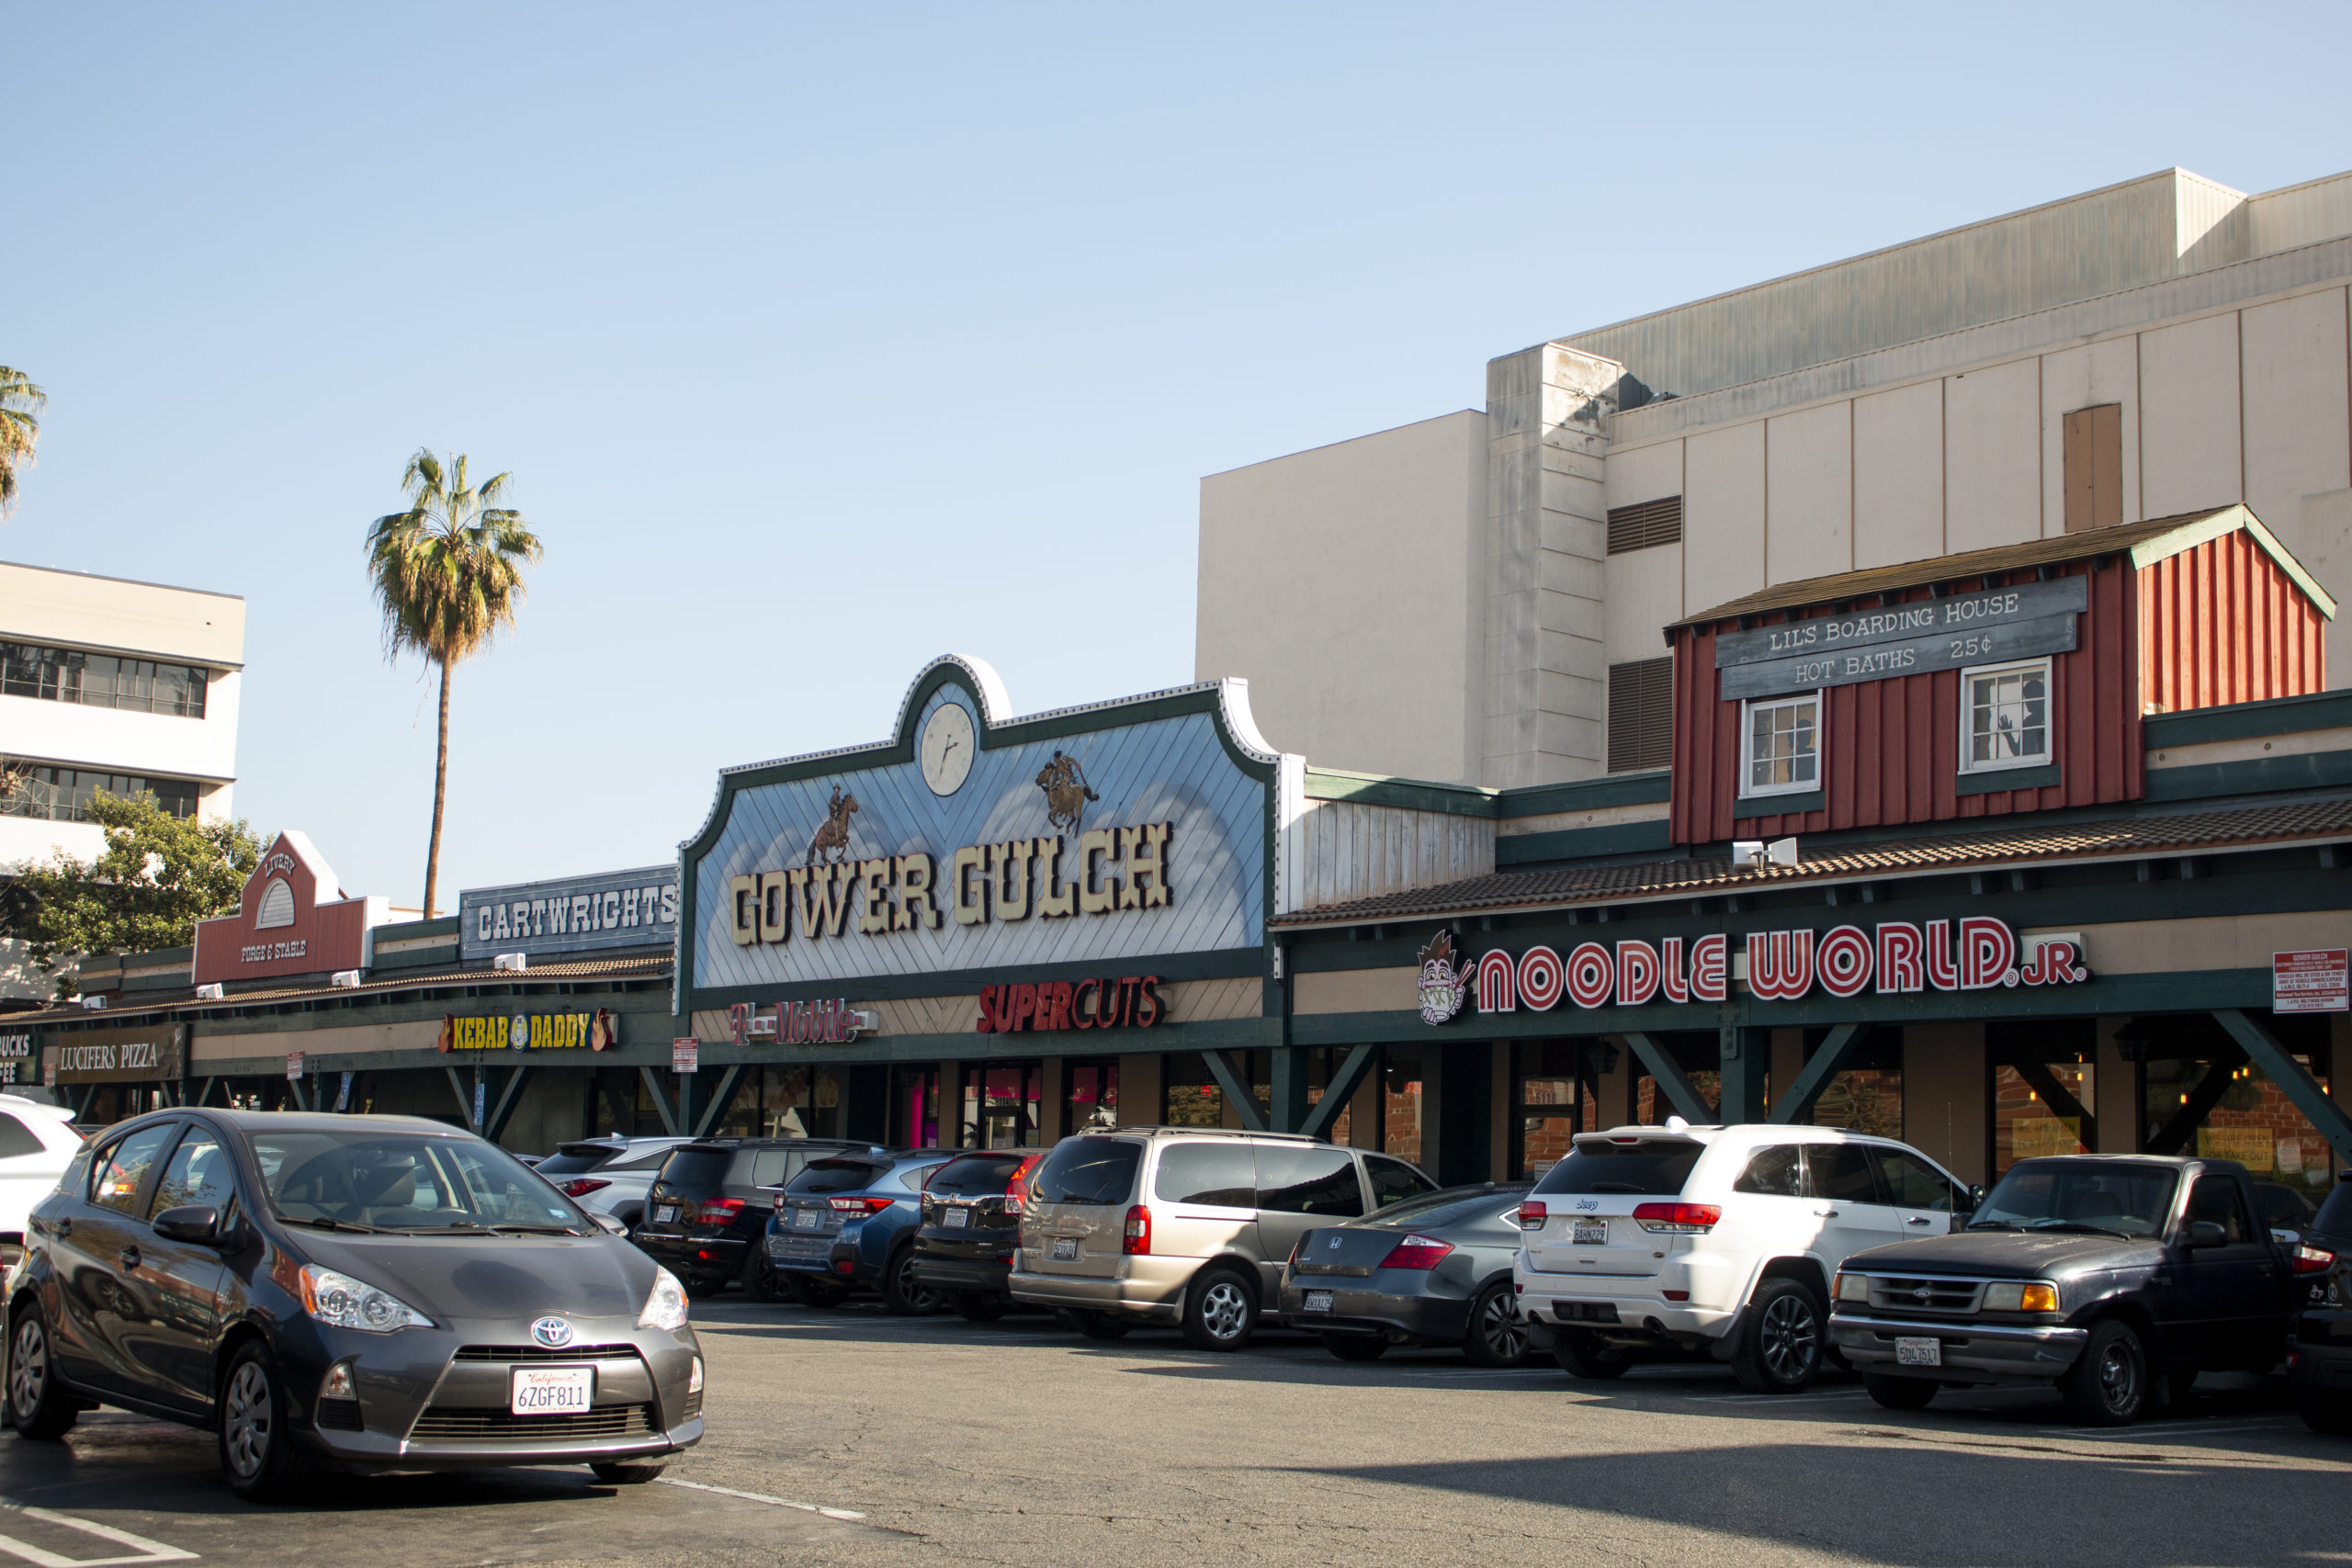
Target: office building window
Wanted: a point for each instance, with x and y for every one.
(1641, 714)
(1640, 528)
(62, 794)
(1781, 746)
(100, 679)
(2005, 718)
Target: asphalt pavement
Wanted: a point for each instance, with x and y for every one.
(854, 1437)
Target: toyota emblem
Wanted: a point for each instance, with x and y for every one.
(552, 1332)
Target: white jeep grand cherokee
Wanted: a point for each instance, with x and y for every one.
(1677, 1242)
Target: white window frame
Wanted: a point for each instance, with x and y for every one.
(1968, 713)
(1748, 789)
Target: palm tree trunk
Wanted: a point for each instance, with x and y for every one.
(440, 795)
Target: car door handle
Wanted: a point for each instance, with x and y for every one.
(1919, 1220)
(129, 1257)
(65, 1225)
(1827, 1213)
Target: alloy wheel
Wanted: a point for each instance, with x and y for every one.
(1791, 1337)
(248, 1419)
(28, 1367)
(1224, 1309)
(1504, 1329)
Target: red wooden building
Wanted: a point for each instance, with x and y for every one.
(2007, 680)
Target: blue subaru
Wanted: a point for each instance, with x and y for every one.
(849, 1223)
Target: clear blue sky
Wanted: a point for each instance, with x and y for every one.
(822, 341)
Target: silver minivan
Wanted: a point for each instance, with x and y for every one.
(1188, 1225)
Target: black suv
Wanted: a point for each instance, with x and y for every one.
(2117, 1277)
(971, 1222)
(708, 1208)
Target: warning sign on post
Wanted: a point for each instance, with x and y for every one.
(684, 1055)
(2318, 981)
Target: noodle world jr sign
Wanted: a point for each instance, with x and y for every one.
(1892, 958)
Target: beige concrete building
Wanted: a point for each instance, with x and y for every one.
(1478, 597)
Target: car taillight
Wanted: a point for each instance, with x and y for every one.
(860, 1205)
(1417, 1252)
(1016, 1191)
(1137, 1243)
(719, 1211)
(1531, 1215)
(581, 1188)
(2309, 1260)
(1679, 1218)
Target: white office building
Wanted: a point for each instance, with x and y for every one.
(107, 685)
(1480, 597)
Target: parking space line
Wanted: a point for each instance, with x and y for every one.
(148, 1551)
(2168, 1430)
(693, 1485)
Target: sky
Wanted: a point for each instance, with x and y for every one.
(822, 341)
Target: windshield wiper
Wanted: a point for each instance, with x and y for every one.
(537, 1230)
(322, 1223)
(1993, 1226)
(2078, 1225)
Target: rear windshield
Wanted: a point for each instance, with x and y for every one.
(1651, 1167)
(1088, 1171)
(2336, 1213)
(820, 1175)
(696, 1173)
(1437, 1211)
(572, 1159)
(977, 1175)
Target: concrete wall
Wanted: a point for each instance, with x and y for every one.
(1341, 583)
(77, 610)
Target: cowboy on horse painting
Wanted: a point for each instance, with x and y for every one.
(1066, 793)
(834, 837)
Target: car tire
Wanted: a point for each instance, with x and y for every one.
(1356, 1347)
(256, 1428)
(2110, 1383)
(977, 1306)
(1220, 1310)
(2330, 1414)
(39, 1406)
(1497, 1332)
(1583, 1354)
(1900, 1393)
(758, 1279)
(1094, 1325)
(1780, 1351)
(902, 1294)
(627, 1474)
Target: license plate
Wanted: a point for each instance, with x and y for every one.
(1066, 1249)
(956, 1219)
(1318, 1301)
(807, 1219)
(1921, 1352)
(664, 1213)
(1591, 1233)
(551, 1391)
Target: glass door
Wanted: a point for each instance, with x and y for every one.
(1000, 1105)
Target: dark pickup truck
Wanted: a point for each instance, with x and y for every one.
(2117, 1277)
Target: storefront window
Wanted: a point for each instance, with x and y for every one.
(1866, 1094)
(2223, 1106)
(914, 1106)
(1690, 1048)
(803, 1103)
(1090, 1101)
(1401, 1126)
(1000, 1105)
(2044, 1087)
(1547, 1109)
(1191, 1096)
(1321, 1064)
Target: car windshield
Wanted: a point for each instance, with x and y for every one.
(2079, 1195)
(406, 1182)
(1436, 1211)
(1090, 1171)
(574, 1159)
(696, 1173)
(1650, 1168)
(2335, 1216)
(819, 1176)
(977, 1175)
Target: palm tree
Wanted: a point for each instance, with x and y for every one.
(449, 574)
(20, 406)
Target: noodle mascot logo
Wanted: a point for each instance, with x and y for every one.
(1444, 984)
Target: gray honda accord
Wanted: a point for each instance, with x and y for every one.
(346, 1293)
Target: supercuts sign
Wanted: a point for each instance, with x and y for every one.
(1895, 957)
(2019, 622)
(1131, 1001)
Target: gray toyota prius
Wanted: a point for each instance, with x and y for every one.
(346, 1293)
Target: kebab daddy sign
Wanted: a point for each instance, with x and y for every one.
(2022, 622)
(972, 841)
(1892, 958)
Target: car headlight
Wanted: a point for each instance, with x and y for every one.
(1853, 1288)
(2017, 1297)
(665, 1304)
(342, 1301)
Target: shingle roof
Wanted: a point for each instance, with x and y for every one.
(2123, 839)
(1945, 569)
(649, 966)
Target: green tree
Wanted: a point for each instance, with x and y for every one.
(449, 574)
(158, 875)
(20, 406)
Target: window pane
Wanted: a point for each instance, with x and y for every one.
(1843, 1174)
(126, 1166)
(1913, 1184)
(2025, 1125)
(1293, 1180)
(1771, 1172)
(1393, 1182)
(198, 1174)
(1088, 1171)
(1221, 1175)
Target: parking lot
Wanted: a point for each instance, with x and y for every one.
(852, 1437)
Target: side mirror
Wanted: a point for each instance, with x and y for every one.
(197, 1223)
(610, 1224)
(2203, 1233)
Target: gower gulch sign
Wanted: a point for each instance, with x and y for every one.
(1893, 958)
